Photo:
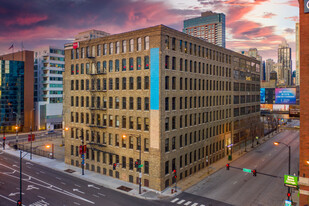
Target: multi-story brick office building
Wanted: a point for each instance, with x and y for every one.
(173, 91)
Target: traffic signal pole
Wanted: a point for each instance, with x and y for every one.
(140, 168)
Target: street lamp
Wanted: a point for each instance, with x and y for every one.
(139, 139)
(31, 132)
(51, 146)
(289, 147)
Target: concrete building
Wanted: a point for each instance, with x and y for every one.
(16, 93)
(90, 34)
(303, 180)
(284, 58)
(48, 87)
(179, 99)
(297, 54)
(269, 64)
(210, 26)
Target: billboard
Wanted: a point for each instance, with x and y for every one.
(281, 108)
(262, 95)
(285, 95)
(294, 111)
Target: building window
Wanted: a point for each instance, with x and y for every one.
(146, 169)
(131, 103)
(146, 43)
(146, 124)
(110, 65)
(139, 44)
(138, 63)
(166, 168)
(131, 64)
(146, 82)
(139, 103)
(131, 83)
(124, 67)
(124, 46)
(104, 49)
(139, 123)
(167, 62)
(146, 107)
(166, 124)
(117, 65)
(117, 47)
(111, 48)
(131, 48)
(139, 83)
(146, 62)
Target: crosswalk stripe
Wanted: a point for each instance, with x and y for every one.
(188, 203)
(174, 200)
(180, 202)
(202, 205)
(194, 204)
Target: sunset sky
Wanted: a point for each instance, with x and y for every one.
(262, 24)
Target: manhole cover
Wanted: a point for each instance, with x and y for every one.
(69, 171)
(124, 188)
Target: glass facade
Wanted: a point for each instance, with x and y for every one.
(11, 92)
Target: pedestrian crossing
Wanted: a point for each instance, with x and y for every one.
(185, 202)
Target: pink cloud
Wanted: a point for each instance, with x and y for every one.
(268, 15)
(26, 20)
(293, 3)
(293, 18)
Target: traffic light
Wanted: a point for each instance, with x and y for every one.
(254, 172)
(228, 166)
(136, 164)
(288, 194)
(19, 203)
(175, 174)
(114, 166)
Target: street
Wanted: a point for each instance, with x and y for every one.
(43, 186)
(236, 187)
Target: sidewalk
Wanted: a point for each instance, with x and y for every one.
(114, 184)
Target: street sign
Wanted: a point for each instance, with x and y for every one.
(140, 166)
(288, 203)
(290, 181)
(246, 170)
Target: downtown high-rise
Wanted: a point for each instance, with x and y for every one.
(285, 60)
(210, 26)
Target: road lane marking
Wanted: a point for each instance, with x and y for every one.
(46, 185)
(39, 203)
(76, 190)
(174, 200)
(77, 185)
(16, 193)
(41, 197)
(29, 163)
(8, 199)
(194, 204)
(58, 178)
(93, 187)
(63, 183)
(180, 202)
(31, 187)
(101, 194)
(188, 203)
(42, 172)
(95, 195)
(234, 182)
(76, 203)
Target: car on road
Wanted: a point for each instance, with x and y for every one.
(51, 132)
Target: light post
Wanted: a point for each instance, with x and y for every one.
(31, 132)
(53, 150)
(289, 147)
(138, 139)
(3, 140)
(16, 126)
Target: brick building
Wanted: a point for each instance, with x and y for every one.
(304, 97)
(181, 96)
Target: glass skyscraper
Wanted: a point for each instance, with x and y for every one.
(11, 93)
(210, 26)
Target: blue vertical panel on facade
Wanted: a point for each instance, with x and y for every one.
(154, 79)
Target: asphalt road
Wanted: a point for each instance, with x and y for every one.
(45, 187)
(236, 187)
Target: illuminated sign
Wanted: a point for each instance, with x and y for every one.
(262, 95)
(75, 45)
(306, 4)
(285, 95)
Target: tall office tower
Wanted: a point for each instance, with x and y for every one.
(297, 55)
(210, 26)
(269, 64)
(170, 97)
(253, 52)
(48, 87)
(16, 91)
(284, 57)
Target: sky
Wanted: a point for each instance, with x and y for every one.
(260, 24)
